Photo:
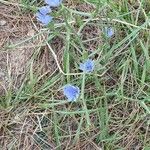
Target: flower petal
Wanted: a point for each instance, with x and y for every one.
(71, 92)
(53, 3)
(87, 66)
(45, 10)
(44, 19)
(109, 31)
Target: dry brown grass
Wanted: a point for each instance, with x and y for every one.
(14, 64)
(14, 60)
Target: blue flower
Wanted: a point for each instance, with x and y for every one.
(53, 3)
(87, 66)
(44, 10)
(44, 19)
(42, 15)
(71, 92)
(109, 31)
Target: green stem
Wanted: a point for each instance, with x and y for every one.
(84, 101)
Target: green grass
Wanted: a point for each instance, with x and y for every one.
(113, 110)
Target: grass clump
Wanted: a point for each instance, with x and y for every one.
(113, 109)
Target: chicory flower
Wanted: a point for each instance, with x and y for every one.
(53, 3)
(44, 10)
(42, 15)
(87, 66)
(71, 92)
(109, 31)
(44, 19)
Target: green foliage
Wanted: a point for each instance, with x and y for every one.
(113, 109)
